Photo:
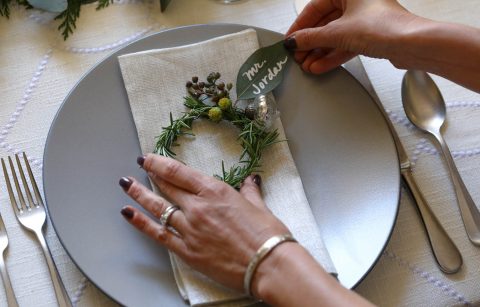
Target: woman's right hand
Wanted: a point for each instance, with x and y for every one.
(327, 33)
(218, 230)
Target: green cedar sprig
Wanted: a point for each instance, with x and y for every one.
(253, 138)
(103, 4)
(5, 6)
(68, 17)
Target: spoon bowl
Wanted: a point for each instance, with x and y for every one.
(422, 101)
(425, 108)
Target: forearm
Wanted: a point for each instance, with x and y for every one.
(291, 277)
(445, 49)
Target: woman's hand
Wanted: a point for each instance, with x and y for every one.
(219, 229)
(328, 33)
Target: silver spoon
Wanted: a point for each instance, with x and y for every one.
(425, 108)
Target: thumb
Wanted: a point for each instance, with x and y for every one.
(250, 189)
(313, 38)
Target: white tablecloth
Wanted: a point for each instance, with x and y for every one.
(37, 69)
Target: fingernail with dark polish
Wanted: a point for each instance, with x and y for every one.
(290, 43)
(257, 180)
(125, 183)
(141, 160)
(127, 213)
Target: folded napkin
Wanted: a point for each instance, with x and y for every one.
(155, 82)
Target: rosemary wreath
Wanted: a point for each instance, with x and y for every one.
(211, 100)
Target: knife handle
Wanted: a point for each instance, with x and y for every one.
(444, 250)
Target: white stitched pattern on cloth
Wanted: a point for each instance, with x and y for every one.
(403, 120)
(447, 289)
(33, 161)
(463, 104)
(397, 119)
(42, 18)
(424, 146)
(26, 96)
(111, 46)
(20, 106)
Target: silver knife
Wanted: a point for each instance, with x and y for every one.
(444, 250)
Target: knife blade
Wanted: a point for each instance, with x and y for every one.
(445, 252)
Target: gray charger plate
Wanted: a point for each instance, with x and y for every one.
(338, 138)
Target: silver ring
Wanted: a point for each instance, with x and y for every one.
(167, 214)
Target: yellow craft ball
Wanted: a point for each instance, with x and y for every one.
(224, 103)
(215, 114)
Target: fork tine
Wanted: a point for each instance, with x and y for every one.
(32, 180)
(9, 188)
(23, 205)
(31, 204)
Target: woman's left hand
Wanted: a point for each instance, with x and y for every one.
(219, 229)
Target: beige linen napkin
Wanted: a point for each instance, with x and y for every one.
(155, 82)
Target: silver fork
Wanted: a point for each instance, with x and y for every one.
(11, 300)
(32, 216)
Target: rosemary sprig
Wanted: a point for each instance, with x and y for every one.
(178, 127)
(253, 137)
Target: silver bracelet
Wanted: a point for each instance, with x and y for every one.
(261, 253)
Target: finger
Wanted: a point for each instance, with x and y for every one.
(334, 15)
(251, 190)
(312, 56)
(152, 202)
(330, 61)
(301, 55)
(328, 36)
(313, 12)
(178, 196)
(175, 172)
(154, 230)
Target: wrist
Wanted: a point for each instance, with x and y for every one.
(434, 46)
(411, 44)
(401, 36)
(445, 49)
(270, 271)
(290, 276)
(381, 36)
